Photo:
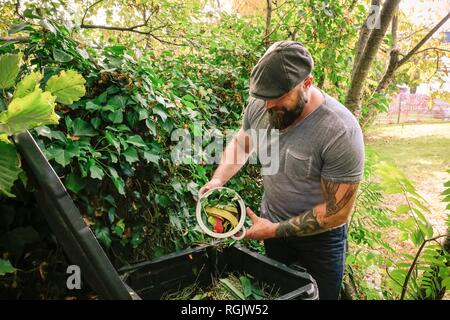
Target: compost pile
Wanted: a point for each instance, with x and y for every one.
(232, 287)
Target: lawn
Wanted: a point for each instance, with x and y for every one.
(422, 151)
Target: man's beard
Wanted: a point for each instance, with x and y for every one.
(281, 117)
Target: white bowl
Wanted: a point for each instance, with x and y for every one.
(232, 233)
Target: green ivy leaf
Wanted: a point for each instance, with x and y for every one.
(19, 27)
(27, 85)
(33, 110)
(160, 112)
(117, 180)
(151, 157)
(118, 102)
(9, 69)
(162, 200)
(136, 237)
(111, 215)
(136, 140)
(151, 125)
(74, 182)
(68, 86)
(143, 114)
(112, 140)
(103, 236)
(95, 171)
(116, 116)
(131, 155)
(82, 128)
(62, 157)
(61, 56)
(10, 167)
(119, 228)
(6, 267)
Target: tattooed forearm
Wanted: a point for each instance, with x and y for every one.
(333, 212)
(303, 225)
(337, 195)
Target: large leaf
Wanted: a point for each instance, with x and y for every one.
(9, 69)
(82, 128)
(33, 110)
(131, 155)
(9, 167)
(117, 180)
(68, 86)
(136, 140)
(27, 85)
(61, 56)
(103, 236)
(19, 27)
(6, 267)
(74, 182)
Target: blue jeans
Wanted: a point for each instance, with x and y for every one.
(323, 256)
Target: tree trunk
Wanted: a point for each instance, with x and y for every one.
(268, 23)
(363, 37)
(361, 69)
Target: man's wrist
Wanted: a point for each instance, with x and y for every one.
(274, 230)
(218, 180)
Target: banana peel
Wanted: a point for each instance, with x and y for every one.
(231, 209)
(220, 213)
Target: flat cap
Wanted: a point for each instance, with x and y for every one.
(283, 66)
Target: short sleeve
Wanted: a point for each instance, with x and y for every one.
(343, 156)
(248, 112)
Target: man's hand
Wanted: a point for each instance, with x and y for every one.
(213, 183)
(261, 228)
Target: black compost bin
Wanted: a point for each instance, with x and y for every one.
(150, 279)
(200, 265)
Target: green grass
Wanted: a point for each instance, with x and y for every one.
(416, 156)
(419, 150)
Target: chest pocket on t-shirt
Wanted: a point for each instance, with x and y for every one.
(297, 164)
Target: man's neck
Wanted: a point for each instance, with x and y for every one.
(315, 101)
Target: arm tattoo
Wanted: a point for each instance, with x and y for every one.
(303, 225)
(307, 224)
(330, 189)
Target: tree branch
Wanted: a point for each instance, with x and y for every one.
(438, 58)
(17, 7)
(394, 54)
(268, 22)
(412, 34)
(87, 9)
(352, 5)
(424, 39)
(394, 29)
(134, 29)
(432, 48)
(17, 39)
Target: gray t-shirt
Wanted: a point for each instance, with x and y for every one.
(327, 144)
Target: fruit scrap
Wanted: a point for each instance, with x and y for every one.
(221, 220)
